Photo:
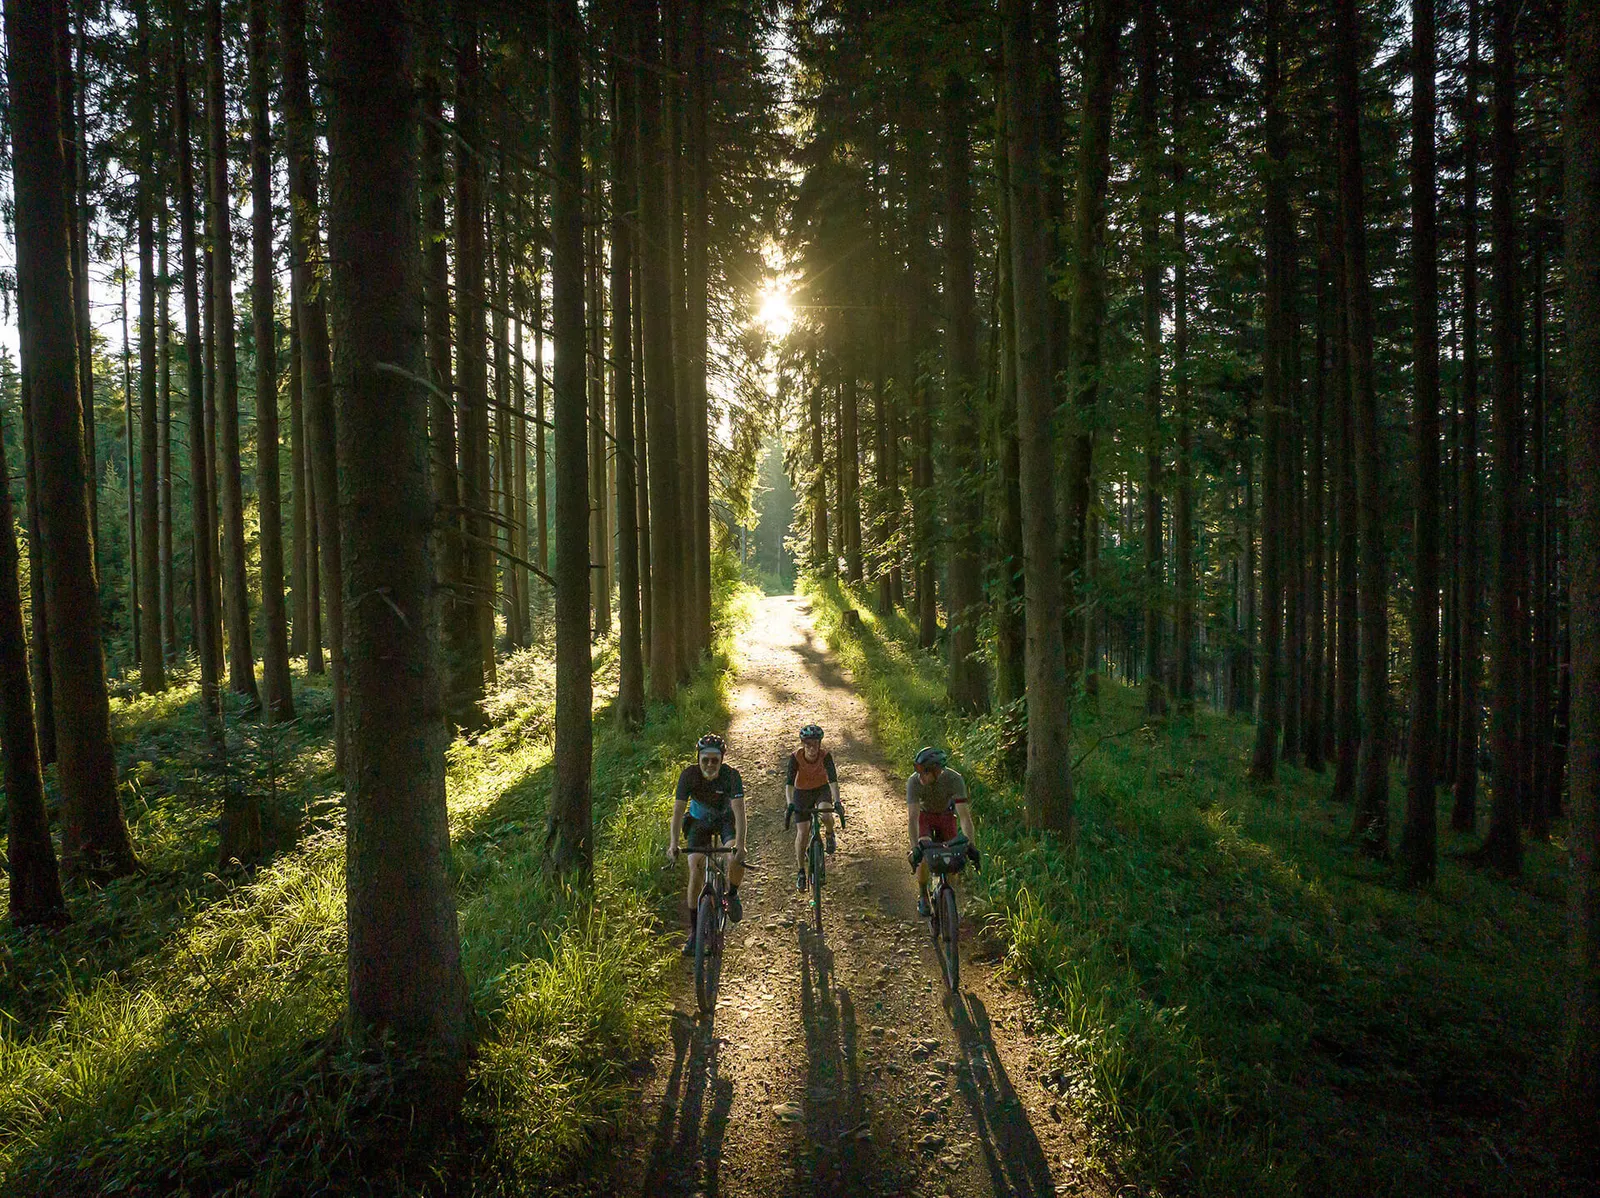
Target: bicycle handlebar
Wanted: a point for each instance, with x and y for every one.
(790, 812)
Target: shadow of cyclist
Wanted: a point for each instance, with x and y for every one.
(686, 1149)
(839, 1157)
(1016, 1161)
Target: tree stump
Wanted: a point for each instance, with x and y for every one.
(852, 619)
(239, 832)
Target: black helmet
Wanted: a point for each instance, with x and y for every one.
(930, 756)
(811, 732)
(711, 741)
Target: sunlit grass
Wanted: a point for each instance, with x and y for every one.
(180, 1033)
(1239, 1003)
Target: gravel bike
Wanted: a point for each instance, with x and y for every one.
(816, 856)
(945, 858)
(711, 914)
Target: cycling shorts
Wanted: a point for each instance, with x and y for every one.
(703, 832)
(937, 825)
(805, 800)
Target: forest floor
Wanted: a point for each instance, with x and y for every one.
(841, 1064)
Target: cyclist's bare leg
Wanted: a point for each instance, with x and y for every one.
(735, 872)
(697, 878)
(922, 879)
(802, 834)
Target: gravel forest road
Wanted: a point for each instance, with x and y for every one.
(840, 1065)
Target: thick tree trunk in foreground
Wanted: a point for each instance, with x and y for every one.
(202, 529)
(404, 952)
(655, 302)
(569, 835)
(967, 686)
(1419, 840)
(624, 211)
(1503, 847)
(94, 838)
(310, 269)
(1371, 823)
(1581, 1055)
(1047, 786)
(277, 688)
(35, 882)
(235, 583)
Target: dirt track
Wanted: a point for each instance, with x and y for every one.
(841, 1066)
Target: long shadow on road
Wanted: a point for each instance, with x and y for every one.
(1016, 1161)
(687, 1146)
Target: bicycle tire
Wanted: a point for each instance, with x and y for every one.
(816, 883)
(706, 954)
(950, 933)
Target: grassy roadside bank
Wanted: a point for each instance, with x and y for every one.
(1238, 1003)
(176, 1038)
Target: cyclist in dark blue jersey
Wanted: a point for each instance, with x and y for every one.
(709, 808)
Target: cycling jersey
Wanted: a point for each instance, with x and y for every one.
(811, 775)
(710, 798)
(948, 789)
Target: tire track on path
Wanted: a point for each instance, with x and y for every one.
(839, 1065)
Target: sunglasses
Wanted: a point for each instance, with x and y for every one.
(710, 758)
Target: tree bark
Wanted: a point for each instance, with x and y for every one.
(1151, 272)
(1010, 631)
(152, 674)
(1371, 823)
(967, 685)
(276, 685)
(38, 620)
(35, 882)
(697, 232)
(404, 951)
(202, 530)
(1312, 730)
(1047, 785)
(655, 301)
(300, 564)
(1103, 22)
(1347, 727)
(235, 584)
(1263, 764)
(569, 834)
(1183, 508)
(94, 838)
(624, 213)
(1419, 839)
(1503, 847)
(821, 561)
(311, 274)
(1580, 1064)
(169, 614)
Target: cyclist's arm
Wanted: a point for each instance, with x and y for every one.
(964, 814)
(833, 777)
(678, 808)
(911, 815)
(737, 803)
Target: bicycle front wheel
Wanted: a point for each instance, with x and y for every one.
(707, 953)
(816, 884)
(950, 937)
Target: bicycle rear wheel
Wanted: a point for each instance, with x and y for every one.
(950, 936)
(707, 953)
(816, 884)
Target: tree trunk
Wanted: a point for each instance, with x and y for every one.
(624, 212)
(1419, 839)
(1312, 731)
(38, 621)
(1464, 806)
(135, 616)
(504, 502)
(475, 637)
(235, 584)
(1580, 1063)
(1010, 632)
(881, 422)
(655, 302)
(152, 674)
(276, 685)
(1503, 847)
(35, 882)
(967, 685)
(594, 336)
(1103, 23)
(697, 232)
(94, 838)
(1183, 509)
(299, 519)
(1263, 764)
(1347, 728)
(820, 560)
(569, 834)
(1371, 823)
(1047, 786)
(202, 530)
(404, 951)
(641, 478)
(78, 206)
(1151, 272)
(310, 269)
(169, 614)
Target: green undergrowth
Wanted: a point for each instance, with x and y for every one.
(1236, 1002)
(181, 1036)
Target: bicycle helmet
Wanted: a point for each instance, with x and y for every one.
(811, 732)
(930, 756)
(711, 741)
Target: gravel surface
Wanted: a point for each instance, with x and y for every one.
(840, 1064)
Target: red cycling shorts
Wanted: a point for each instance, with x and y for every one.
(937, 825)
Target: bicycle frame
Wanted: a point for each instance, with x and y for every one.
(815, 853)
(711, 913)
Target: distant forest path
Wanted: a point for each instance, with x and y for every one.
(842, 1066)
